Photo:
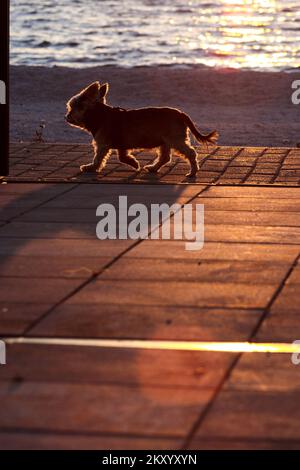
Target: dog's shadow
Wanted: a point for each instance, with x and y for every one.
(132, 176)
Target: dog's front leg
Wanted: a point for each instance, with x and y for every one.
(99, 161)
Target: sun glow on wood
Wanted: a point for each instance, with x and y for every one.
(208, 346)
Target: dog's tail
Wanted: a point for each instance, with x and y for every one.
(203, 138)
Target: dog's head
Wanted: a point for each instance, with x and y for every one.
(79, 104)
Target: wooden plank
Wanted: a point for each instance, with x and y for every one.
(149, 322)
(34, 190)
(252, 191)
(93, 202)
(123, 410)
(265, 414)
(247, 444)
(140, 368)
(55, 441)
(252, 234)
(75, 267)
(238, 233)
(281, 325)
(273, 219)
(288, 300)
(57, 214)
(153, 269)
(249, 204)
(16, 317)
(255, 372)
(55, 247)
(165, 249)
(23, 290)
(47, 230)
(86, 191)
(204, 294)
(294, 278)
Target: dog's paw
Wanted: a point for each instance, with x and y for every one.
(150, 169)
(191, 174)
(134, 164)
(90, 168)
(193, 171)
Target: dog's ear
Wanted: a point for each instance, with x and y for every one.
(103, 90)
(92, 91)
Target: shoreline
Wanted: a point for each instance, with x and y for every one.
(246, 107)
(175, 66)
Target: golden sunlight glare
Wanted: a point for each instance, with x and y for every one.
(211, 346)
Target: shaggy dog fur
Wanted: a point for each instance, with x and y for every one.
(145, 128)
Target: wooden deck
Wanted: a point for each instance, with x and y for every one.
(59, 281)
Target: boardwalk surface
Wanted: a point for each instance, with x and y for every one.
(218, 165)
(59, 281)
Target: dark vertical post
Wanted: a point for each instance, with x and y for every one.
(4, 86)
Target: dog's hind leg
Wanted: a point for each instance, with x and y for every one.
(99, 162)
(128, 159)
(164, 157)
(190, 154)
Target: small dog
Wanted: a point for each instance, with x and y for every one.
(145, 128)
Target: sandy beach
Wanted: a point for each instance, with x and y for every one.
(246, 107)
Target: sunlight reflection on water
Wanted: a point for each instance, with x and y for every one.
(259, 34)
